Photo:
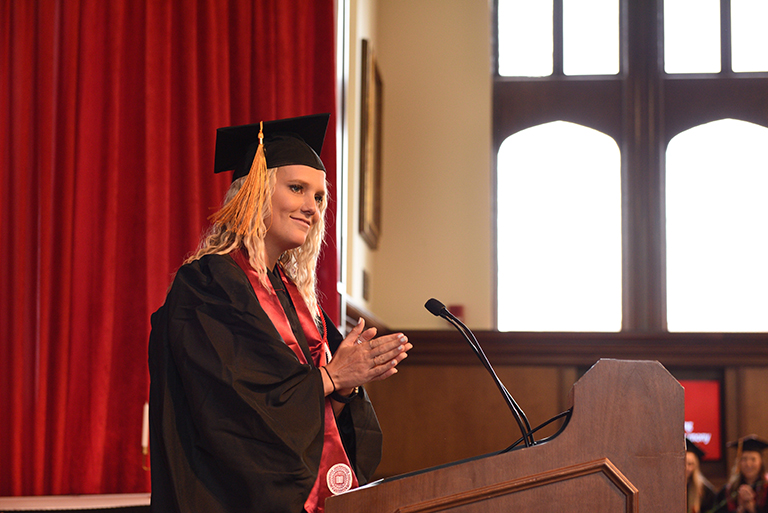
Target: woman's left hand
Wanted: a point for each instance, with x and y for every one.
(362, 358)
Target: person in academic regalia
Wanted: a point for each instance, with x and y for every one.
(256, 400)
(700, 492)
(747, 489)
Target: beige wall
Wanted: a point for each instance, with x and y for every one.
(434, 59)
(436, 241)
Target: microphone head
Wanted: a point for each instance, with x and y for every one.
(435, 307)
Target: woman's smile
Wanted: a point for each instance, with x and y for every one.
(296, 206)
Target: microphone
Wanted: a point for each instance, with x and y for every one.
(438, 309)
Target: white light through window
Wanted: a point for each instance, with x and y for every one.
(749, 39)
(717, 228)
(525, 38)
(559, 230)
(692, 36)
(590, 37)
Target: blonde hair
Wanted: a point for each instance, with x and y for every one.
(241, 223)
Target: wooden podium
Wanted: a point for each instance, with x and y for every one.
(623, 450)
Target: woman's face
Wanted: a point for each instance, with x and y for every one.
(691, 463)
(299, 192)
(750, 464)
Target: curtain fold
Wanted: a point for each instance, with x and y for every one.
(108, 112)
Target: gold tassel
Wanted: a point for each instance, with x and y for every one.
(248, 204)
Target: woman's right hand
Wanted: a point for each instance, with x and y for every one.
(362, 358)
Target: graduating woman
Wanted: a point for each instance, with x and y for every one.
(256, 400)
(747, 489)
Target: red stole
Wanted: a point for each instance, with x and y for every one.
(335, 474)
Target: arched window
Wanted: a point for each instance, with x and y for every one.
(559, 230)
(717, 241)
(661, 89)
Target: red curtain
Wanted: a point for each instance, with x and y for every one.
(108, 111)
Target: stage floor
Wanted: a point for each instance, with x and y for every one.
(125, 502)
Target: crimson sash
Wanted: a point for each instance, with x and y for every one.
(335, 474)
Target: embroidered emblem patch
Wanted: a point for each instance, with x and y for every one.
(339, 478)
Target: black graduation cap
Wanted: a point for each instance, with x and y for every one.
(749, 443)
(692, 447)
(286, 142)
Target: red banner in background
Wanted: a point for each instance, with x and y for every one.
(702, 416)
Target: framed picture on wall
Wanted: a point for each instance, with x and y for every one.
(370, 149)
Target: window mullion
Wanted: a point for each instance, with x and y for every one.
(725, 37)
(644, 292)
(557, 38)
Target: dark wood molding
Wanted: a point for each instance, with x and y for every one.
(694, 350)
(561, 475)
(584, 349)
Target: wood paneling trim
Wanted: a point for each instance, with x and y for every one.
(603, 466)
(671, 349)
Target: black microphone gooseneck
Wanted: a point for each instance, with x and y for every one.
(438, 309)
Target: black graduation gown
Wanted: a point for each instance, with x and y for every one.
(708, 497)
(236, 421)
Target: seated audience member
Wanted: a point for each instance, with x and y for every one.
(746, 490)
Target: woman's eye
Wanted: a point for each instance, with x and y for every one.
(295, 188)
(319, 199)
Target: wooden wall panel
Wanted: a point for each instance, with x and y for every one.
(433, 415)
(753, 404)
(436, 414)
(442, 406)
